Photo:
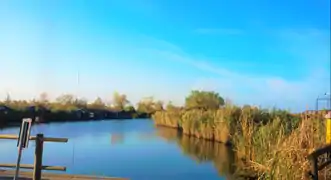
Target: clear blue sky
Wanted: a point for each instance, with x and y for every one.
(262, 52)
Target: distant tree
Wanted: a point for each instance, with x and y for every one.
(98, 104)
(43, 99)
(146, 105)
(204, 100)
(120, 101)
(171, 107)
(129, 108)
(66, 99)
(158, 106)
(80, 103)
(246, 107)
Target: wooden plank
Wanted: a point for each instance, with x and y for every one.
(49, 176)
(322, 166)
(46, 139)
(30, 166)
(319, 152)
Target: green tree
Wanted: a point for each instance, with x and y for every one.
(98, 104)
(120, 101)
(81, 103)
(146, 105)
(129, 108)
(204, 100)
(66, 99)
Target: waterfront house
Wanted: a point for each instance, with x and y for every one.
(4, 109)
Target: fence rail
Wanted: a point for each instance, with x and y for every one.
(315, 159)
(37, 166)
(45, 139)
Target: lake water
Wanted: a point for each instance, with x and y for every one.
(134, 149)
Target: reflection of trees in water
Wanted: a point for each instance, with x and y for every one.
(116, 139)
(202, 150)
(147, 136)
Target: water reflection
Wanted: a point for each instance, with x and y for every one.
(132, 149)
(202, 151)
(116, 139)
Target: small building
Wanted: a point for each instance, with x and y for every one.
(80, 113)
(4, 109)
(91, 115)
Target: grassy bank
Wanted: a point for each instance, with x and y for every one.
(272, 144)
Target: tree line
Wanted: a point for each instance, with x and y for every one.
(68, 107)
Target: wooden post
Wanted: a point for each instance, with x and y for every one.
(314, 170)
(38, 157)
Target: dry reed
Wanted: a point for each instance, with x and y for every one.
(272, 144)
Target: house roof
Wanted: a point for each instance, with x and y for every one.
(4, 108)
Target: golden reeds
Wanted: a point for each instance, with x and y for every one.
(273, 144)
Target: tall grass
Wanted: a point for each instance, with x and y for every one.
(272, 144)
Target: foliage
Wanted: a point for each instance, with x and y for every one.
(66, 107)
(149, 105)
(97, 104)
(272, 144)
(120, 101)
(204, 100)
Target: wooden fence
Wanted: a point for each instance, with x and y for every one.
(319, 160)
(38, 165)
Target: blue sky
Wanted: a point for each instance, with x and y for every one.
(268, 53)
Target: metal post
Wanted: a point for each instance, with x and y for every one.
(22, 142)
(328, 128)
(328, 136)
(18, 163)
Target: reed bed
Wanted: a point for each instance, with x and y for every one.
(271, 144)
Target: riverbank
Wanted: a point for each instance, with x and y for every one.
(68, 107)
(271, 144)
(9, 116)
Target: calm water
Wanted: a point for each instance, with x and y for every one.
(132, 148)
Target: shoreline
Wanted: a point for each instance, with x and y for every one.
(17, 124)
(240, 174)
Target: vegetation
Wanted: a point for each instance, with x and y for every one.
(271, 144)
(67, 107)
